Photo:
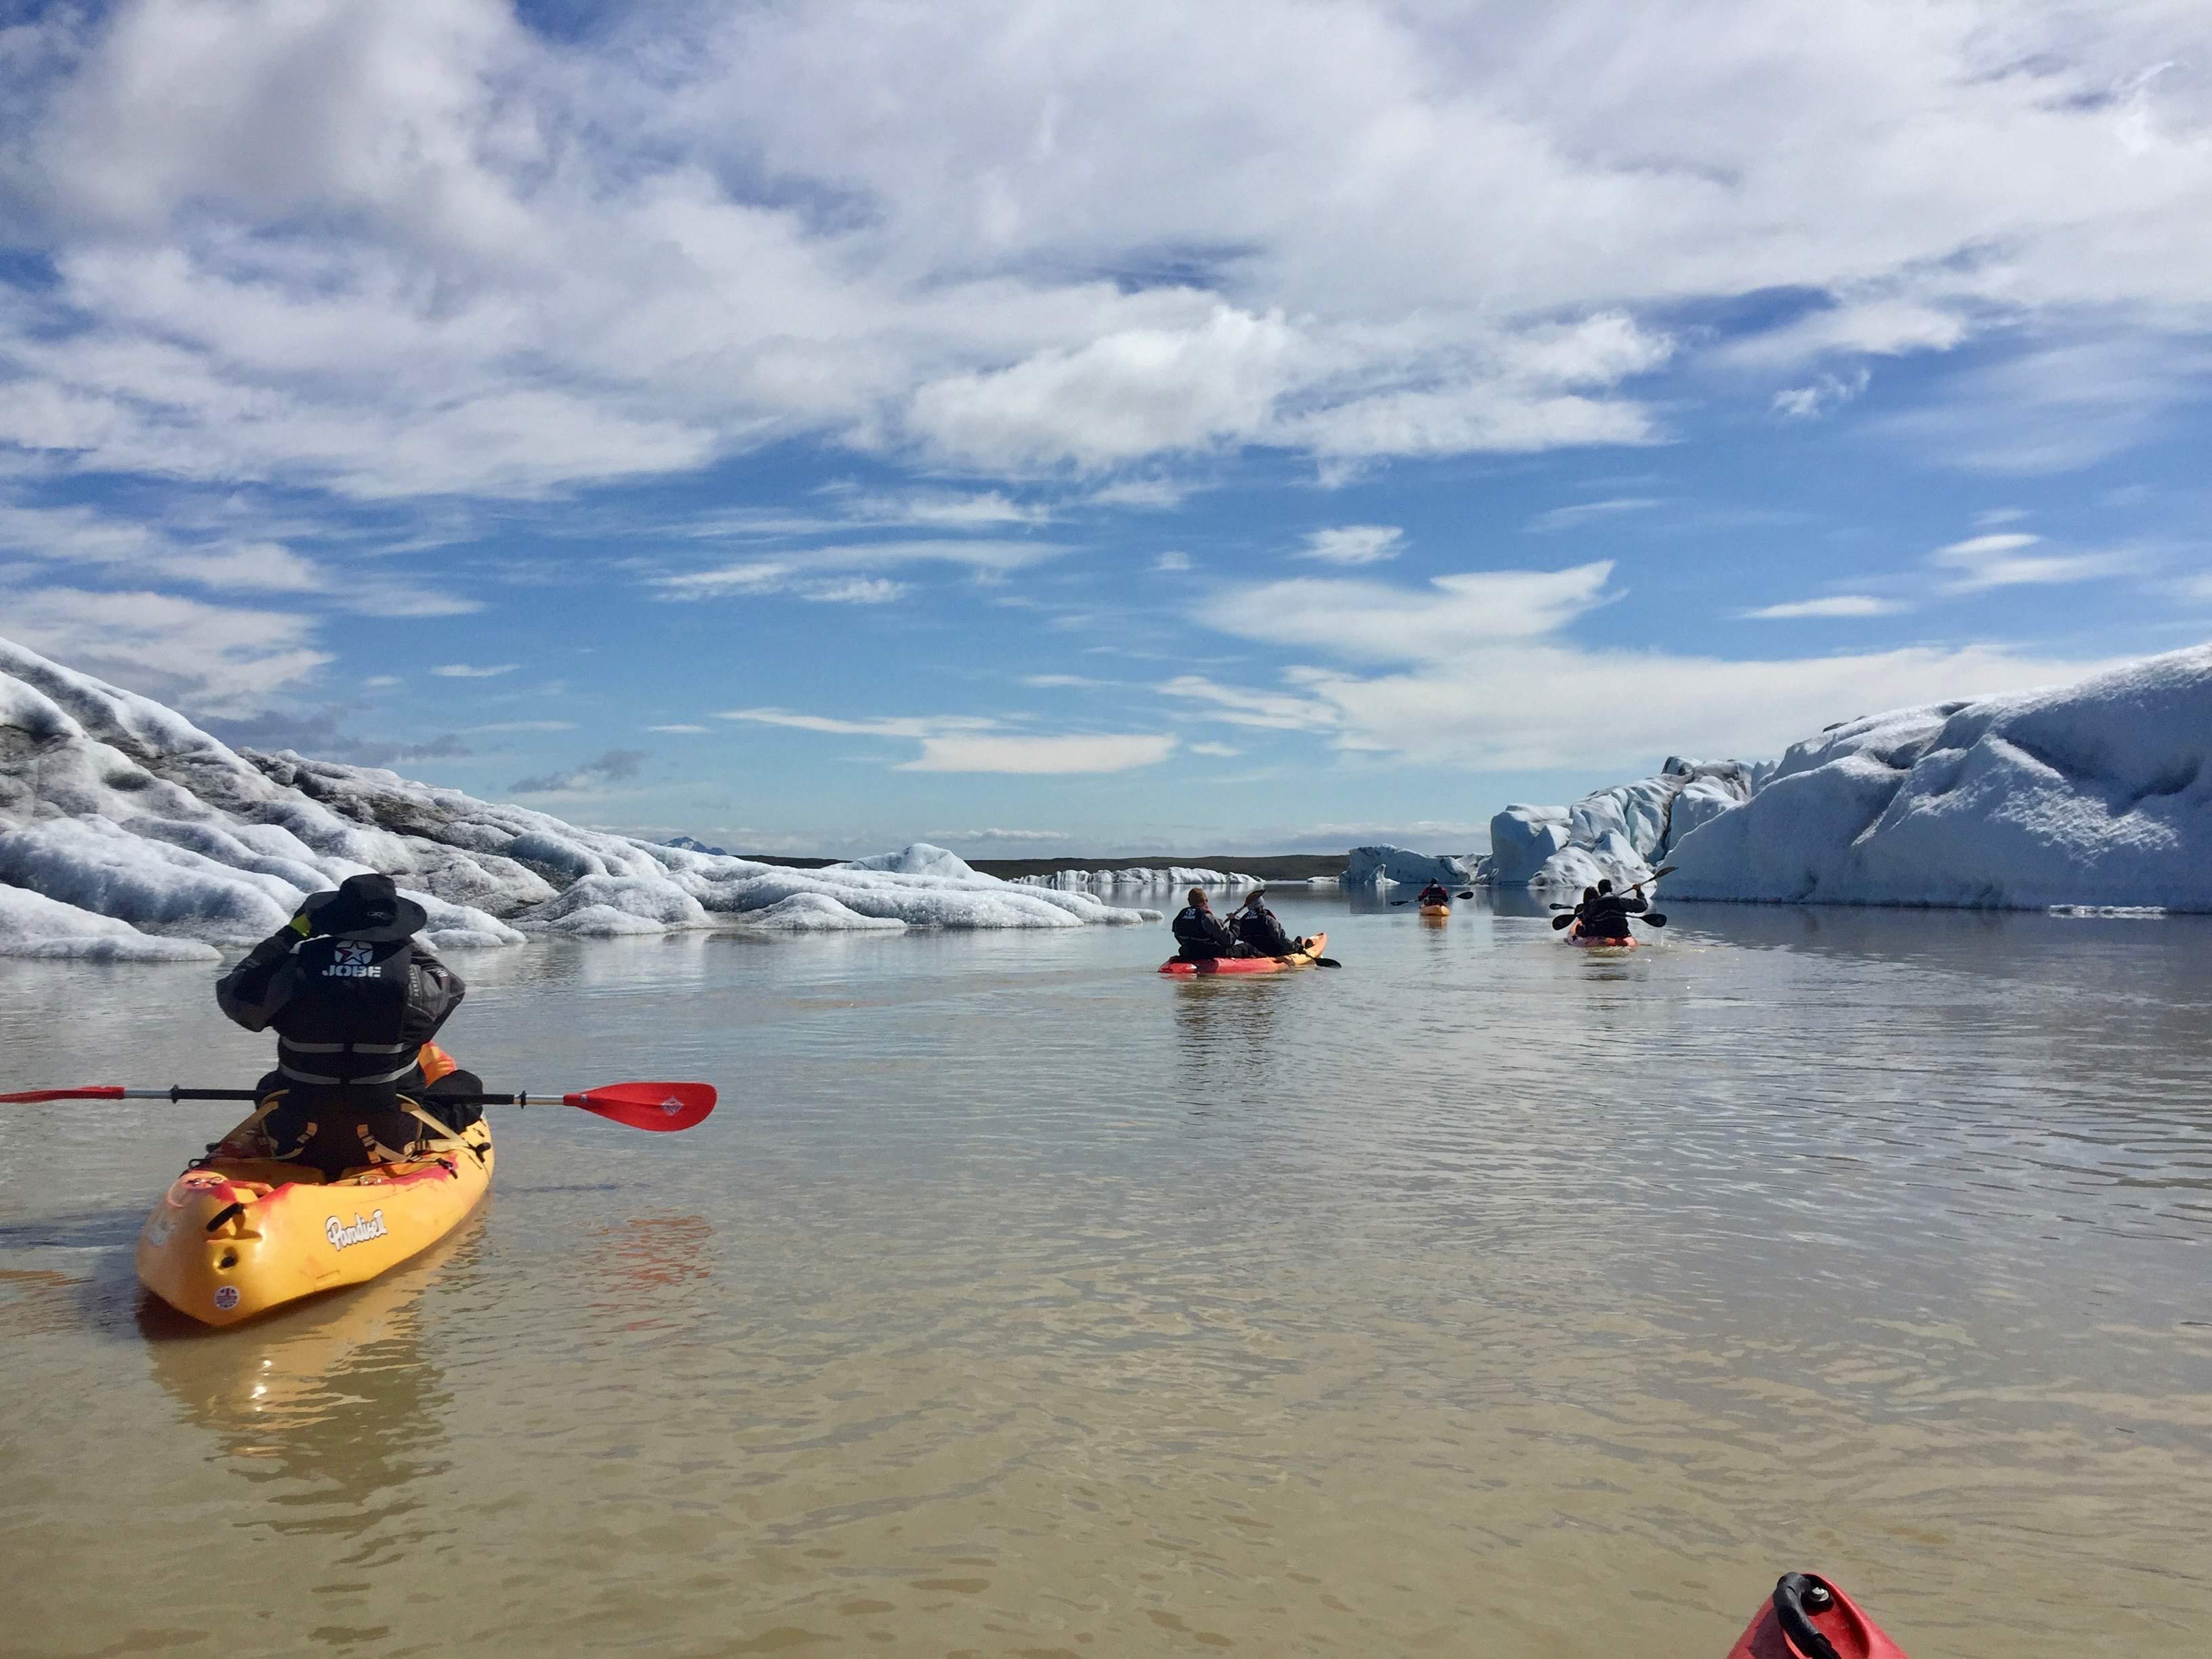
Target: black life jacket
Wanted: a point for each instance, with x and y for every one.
(1605, 917)
(341, 1028)
(1201, 933)
(1258, 928)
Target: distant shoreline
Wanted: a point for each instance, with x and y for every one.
(1268, 866)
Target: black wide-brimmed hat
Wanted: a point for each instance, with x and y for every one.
(365, 908)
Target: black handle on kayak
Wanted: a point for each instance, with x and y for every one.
(1797, 1596)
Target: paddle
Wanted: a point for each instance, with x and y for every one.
(657, 1106)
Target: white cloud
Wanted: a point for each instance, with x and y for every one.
(462, 671)
(1154, 495)
(205, 659)
(1990, 518)
(1825, 394)
(1838, 604)
(1270, 710)
(1171, 561)
(1219, 750)
(1354, 543)
(855, 590)
(996, 835)
(1045, 756)
(683, 730)
(1581, 513)
(1062, 682)
(902, 726)
(2001, 561)
(1484, 679)
(1445, 617)
(801, 570)
(417, 249)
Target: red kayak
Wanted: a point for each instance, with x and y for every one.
(1809, 1618)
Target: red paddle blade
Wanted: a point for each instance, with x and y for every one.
(32, 1097)
(661, 1106)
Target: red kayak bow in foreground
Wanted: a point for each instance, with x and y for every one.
(1809, 1618)
(657, 1106)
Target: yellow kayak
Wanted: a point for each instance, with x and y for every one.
(1436, 912)
(240, 1233)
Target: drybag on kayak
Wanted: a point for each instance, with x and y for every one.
(1809, 1618)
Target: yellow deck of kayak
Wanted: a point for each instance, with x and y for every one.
(239, 1234)
(1436, 912)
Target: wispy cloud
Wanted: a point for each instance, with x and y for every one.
(2000, 560)
(1172, 562)
(806, 572)
(681, 730)
(1353, 543)
(462, 671)
(1837, 605)
(1581, 513)
(1042, 756)
(1269, 710)
(1822, 396)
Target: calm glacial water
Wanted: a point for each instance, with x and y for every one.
(1483, 1297)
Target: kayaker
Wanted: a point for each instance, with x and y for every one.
(1200, 935)
(1435, 893)
(1257, 929)
(1604, 914)
(354, 1000)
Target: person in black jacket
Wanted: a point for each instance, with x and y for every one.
(1200, 935)
(353, 998)
(1257, 929)
(1603, 914)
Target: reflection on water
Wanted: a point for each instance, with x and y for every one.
(1484, 1295)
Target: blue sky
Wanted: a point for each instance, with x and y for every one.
(1236, 428)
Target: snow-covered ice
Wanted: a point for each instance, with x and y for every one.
(127, 832)
(2092, 794)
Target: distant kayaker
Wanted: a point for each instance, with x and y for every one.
(355, 1001)
(1604, 914)
(1436, 893)
(1257, 929)
(1201, 935)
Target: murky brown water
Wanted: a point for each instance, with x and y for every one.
(1482, 1298)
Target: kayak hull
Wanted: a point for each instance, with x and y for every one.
(1575, 936)
(239, 1235)
(1804, 1607)
(1436, 912)
(1313, 947)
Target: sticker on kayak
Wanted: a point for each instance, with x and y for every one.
(342, 1236)
(159, 1229)
(671, 1105)
(225, 1298)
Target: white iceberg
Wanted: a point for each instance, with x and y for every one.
(118, 810)
(1377, 866)
(816, 913)
(2087, 795)
(1618, 834)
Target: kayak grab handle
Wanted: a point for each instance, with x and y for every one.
(223, 1217)
(1797, 1596)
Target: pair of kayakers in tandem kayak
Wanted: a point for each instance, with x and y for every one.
(1251, 933)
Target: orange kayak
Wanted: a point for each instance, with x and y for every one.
(1303, 957)
(239, 1232)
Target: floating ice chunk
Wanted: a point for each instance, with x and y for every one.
(2096, 794)
(1374, 866)
(1521, 838)
(598, 921)
(819, 913)
(32, 925)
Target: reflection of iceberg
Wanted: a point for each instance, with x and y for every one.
(138, 836)
(335, 1393)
